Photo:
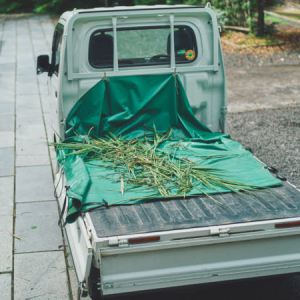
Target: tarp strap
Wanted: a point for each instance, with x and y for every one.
(91, 209)
(276, 172)
(63, 210)
(105, 78)
(249, 149)
(104, 204)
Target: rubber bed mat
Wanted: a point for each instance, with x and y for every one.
(201, 211)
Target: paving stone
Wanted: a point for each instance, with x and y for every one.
(7, 123)
(7, 139)
(8, 56)
(32, 160)
(49, 126)
(26, 65)
(7, 97)
(10, 41)
(26, 73)
(6, 196)
(24, 88)
(47, 102)
(32, 146)
(39, 47)
(36, 225)
(40, 276)
(28, 105)
(32, 132)
(48, 29)
(7, 94)
(34, 184)
(6, 227)
(9, 52)
(42, 79)
(26, 68)
(7, 161)
(32, 153)
(7, 67)
(28, 120)
(7, 108)
(5, 286)
(7, 78)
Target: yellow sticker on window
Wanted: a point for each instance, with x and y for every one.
(190, 55)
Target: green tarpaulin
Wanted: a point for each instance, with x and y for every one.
(126, 106)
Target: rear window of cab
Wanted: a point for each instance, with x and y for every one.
(143, 46)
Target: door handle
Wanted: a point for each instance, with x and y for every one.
(56, 94)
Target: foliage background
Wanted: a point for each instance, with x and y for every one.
(231, 12)
(236, 8)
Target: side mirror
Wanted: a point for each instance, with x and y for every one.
(42, 64)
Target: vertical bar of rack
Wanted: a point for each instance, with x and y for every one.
(172, 42)
(70, 53)
(116, 65)
(215, 43)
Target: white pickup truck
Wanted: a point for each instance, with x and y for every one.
(164, 244)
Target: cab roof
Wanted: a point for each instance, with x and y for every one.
(68, 14)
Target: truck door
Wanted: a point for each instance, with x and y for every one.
(54, 80)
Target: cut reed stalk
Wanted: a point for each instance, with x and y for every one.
(140, 163)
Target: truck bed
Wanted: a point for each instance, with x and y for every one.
(201, 211)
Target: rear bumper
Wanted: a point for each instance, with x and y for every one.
(125, 270)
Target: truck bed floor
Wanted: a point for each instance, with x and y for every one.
(160, 215)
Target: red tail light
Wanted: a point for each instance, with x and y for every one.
(285, 225)
(144, 240)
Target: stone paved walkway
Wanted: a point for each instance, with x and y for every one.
(32, 265)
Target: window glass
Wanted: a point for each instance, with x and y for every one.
(56, 47)
(101, 49)
(142, 46)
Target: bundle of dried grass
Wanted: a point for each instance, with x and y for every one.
(141, 163)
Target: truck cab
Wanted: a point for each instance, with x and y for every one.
(92, 44)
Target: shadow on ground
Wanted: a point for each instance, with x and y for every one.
(269, 288)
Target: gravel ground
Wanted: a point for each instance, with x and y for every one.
(250, 59)
(273, 135)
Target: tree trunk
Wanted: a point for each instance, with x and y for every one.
(260, 17)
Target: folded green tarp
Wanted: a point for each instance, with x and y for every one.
(126, 106)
